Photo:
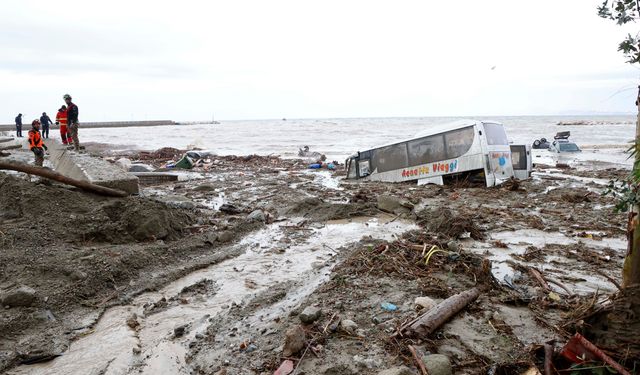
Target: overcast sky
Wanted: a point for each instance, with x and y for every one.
(187, 60)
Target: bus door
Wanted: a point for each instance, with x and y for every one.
(498, 165)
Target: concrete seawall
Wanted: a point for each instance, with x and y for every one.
(87, 125)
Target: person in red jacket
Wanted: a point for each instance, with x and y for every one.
(36, 144)
(61, 119)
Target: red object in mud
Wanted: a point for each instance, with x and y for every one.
(580, 350)
(285, 368)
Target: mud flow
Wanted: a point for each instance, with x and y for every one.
(248, 264)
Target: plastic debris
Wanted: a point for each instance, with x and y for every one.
(389, 306)
(579, 350)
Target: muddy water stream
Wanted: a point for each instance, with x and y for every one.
(271, 258)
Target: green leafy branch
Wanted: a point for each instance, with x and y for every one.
(623, 12)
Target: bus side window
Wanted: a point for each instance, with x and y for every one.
(390, 158)
(459, 142)
(427, 150)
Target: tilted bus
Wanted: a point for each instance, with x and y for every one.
(463, 147)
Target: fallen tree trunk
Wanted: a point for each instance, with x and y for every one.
(437, 316)
(53, 175)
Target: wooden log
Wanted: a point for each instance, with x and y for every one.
(437, 316)
(53, 175)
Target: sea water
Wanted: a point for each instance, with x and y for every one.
(604, 140)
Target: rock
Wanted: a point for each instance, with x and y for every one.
(77, 275)
(367, 362)
(225, 236)
(124, 163)
(453, 246)
(180, 330)
(141, 168)
(393, 205)
(425, 303)
(20, 296)
(437, 364)
(204, 187)
(230, 209)
(132, 321)
(401, 370)
(452, 352)
(294, 341)
(310, 314)
(177, 201)
(257, 215)
(151, 228)
(348, 326)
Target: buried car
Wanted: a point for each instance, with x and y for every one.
(561, 143)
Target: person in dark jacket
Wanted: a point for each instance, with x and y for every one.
(19, 125)
(45, 121)
(72, 120)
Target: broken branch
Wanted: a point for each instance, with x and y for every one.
(421, 366)
(437, 316)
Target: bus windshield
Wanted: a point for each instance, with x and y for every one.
(495, 134)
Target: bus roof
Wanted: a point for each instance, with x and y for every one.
(434, 129)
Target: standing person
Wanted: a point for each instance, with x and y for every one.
(45, 121)
(72, 119)
(19, 125)
(36, 144)
(61, 119)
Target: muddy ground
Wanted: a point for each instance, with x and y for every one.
(206, 274)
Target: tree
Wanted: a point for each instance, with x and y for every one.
(617, 328)
(624, 12)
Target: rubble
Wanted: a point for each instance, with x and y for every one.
(295, 339)
(561, 230)
(310, 314)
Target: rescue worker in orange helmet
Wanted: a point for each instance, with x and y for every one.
(61, 119)
(36, 144)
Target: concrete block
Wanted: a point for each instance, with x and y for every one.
(87, 168)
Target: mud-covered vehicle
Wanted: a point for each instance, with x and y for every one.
(541, 144)
(562, 144)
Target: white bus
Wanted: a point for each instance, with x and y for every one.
(463, 147)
